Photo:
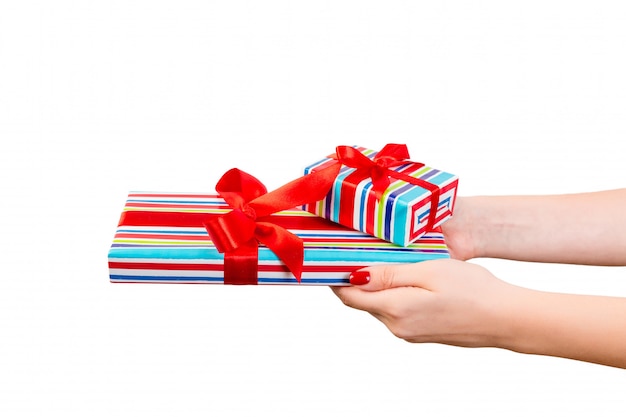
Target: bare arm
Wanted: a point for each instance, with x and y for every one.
(459, 303)
(583, 327)
(586, 228)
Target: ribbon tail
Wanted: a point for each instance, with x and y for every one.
(380, 181)
(306, 189)
(288, 247)
(241, 266)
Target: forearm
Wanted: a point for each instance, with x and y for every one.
(587, 228)
(587, 328)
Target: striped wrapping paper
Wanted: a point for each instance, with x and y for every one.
(166, 254)
(401, 215)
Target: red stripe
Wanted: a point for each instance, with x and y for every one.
(220, 267)
(205, 238)
(370, 200)
(347, 197)
(182, 219)
(170, 205)
(454, 184)
(444, 214)
(177, 236)
(158, 236)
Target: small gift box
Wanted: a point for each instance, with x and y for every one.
(384, 194)
(201, 238)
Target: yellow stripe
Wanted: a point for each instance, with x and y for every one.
(163, 242)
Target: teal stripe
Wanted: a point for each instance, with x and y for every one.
(146, 252)
(399, 214)
(313, 255)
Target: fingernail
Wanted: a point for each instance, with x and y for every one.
(359, 277)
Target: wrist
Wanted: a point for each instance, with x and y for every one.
(520, 330)
(489, 225)
(506, 318)
(471, 222)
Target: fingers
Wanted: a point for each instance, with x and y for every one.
(373, 302)
(381, 277)
(385, 289)
(382, 304)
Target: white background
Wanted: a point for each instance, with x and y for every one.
(101, 97)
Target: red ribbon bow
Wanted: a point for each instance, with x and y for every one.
(378, 169)
(238, 232)
(392, 155)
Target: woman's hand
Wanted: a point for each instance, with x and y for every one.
(441, 301)
(458, 303)
(458, 231)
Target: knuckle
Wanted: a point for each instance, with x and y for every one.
(386, 276)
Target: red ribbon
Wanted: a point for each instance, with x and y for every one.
(238, 232)
(378, 169)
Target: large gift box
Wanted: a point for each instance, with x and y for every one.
(384, 194)
(162, 237)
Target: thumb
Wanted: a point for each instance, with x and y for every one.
(381, 277)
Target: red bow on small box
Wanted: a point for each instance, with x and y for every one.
(237, 233)
(378, 169)
(392, 155)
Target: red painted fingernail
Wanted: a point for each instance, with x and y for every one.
(359, 277)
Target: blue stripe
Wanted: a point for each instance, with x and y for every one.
(328, 281)
(444, 202)
(160, 278)
(220, 280)
(326, 204)
(430, 174)
(362, 206)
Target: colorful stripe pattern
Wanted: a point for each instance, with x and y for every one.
(156, 251)
(401, 215)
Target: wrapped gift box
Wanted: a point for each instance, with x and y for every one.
(402, 213)
(148, 247)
